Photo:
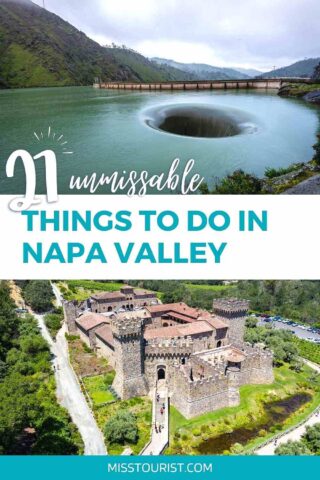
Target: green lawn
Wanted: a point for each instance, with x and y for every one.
(98, 388)
(186, 435)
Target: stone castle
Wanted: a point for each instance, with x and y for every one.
(201, 356)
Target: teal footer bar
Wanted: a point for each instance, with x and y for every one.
(99, 468)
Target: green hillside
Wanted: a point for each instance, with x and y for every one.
(148, 70)
(304, 68)
(38, 48)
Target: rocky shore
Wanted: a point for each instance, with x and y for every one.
(310, 92)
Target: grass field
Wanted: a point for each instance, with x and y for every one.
(186, 435)
(98, 388)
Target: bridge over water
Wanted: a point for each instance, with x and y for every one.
(255, 83)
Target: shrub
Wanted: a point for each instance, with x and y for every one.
(239, 182)
(277, 172)
(122, 428)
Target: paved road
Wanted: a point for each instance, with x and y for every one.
(57, 294)
(295, 434)
(68, 389)
(299, 332)
(69, 393)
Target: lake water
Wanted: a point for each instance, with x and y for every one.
(111, 131)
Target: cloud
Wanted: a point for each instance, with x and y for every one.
(245, 33)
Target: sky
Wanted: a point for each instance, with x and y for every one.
(260, 34)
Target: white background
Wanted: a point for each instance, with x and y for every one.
(289, 250)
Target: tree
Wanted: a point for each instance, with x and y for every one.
(251, 322)
(312, 438)
(39, 295)
(122, 428)
(239, 182)
(292, 448)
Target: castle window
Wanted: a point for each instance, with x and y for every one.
(219, 343)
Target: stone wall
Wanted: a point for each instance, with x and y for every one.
(193, 398)
(103, 350)
(103, 306)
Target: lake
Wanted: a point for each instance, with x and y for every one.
(111, 131)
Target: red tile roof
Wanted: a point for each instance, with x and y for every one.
(190, 329)
(235, 355)
(105, 334)
(163, 332)
(91, 320)
(216, 322)
(177, 308)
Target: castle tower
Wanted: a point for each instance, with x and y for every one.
(71, 312)
(129, 351)
(234, 313)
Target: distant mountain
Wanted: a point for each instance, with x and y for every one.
(38, 48)
(203, 71)
(251, 72)
(303, 68)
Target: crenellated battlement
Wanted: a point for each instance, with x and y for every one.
(168, 348)
(125, 327)
(257, 350)
(230, 307)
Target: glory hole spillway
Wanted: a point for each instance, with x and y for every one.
(123, 130)
(201, 121)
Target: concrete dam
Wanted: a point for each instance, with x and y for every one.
(256, 83)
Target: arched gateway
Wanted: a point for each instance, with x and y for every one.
(161, 373)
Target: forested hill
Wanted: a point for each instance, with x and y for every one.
(303, 68)
(38, 48)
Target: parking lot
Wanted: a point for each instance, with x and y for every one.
(301, 331)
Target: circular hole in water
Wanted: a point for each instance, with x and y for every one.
(200, 121)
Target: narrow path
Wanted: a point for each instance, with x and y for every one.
(69, 393)
(295, 434)
(57, 294)
(160, 418)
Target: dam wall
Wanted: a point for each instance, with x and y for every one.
(261, 83)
